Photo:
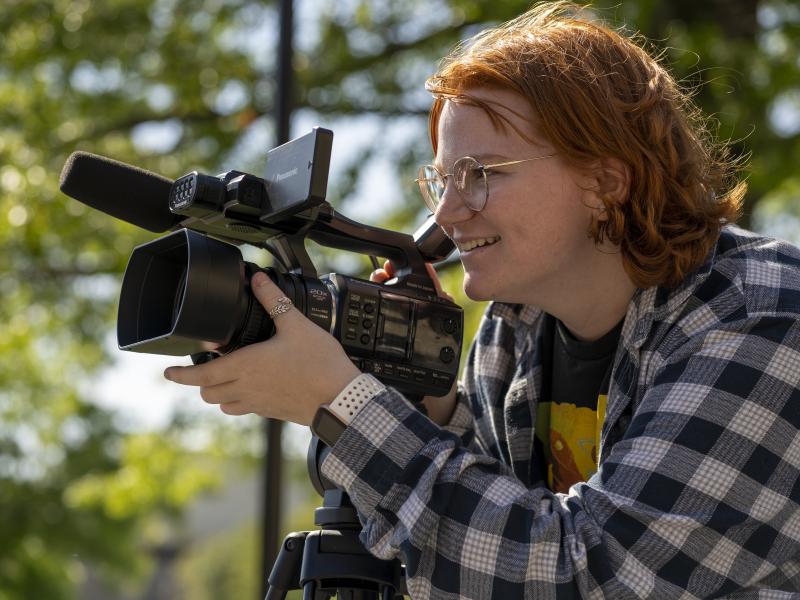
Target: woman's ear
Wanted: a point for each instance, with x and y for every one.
(609, 187)
(612, 179)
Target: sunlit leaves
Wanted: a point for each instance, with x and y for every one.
(158, 475)
(85, 75)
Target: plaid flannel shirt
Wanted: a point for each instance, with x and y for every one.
(697, 493)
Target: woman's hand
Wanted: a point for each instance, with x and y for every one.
(440, 408)
(286, 377)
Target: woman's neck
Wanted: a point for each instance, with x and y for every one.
(596, 299)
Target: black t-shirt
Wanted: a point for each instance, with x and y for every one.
(569, 420)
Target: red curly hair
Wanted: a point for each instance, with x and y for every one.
(595, 93)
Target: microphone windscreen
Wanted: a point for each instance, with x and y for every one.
(120, 190)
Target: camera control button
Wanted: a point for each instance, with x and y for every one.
(450, 325)
(365, 339)
(369, 308)
(367, 323)
(446, 354)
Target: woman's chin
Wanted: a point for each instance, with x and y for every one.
(477, 293)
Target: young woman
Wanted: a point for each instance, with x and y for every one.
(628, 423)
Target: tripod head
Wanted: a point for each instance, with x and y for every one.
(332, 560)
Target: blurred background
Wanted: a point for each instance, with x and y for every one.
(117, 485)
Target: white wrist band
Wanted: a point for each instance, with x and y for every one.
(353, 398)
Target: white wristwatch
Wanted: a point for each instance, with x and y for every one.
(331, 419)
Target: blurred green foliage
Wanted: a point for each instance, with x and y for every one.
(177, 85)
(223, 565)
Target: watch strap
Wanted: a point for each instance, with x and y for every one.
(353, 398)
(332, 419)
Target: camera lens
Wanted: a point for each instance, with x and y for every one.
(187, 293)
(255, 323)
(181, 294)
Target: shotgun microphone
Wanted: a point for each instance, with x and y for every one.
(120, 190)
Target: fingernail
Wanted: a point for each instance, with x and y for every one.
(167, 375)
(258, 279)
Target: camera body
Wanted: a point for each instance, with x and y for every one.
(188, 292)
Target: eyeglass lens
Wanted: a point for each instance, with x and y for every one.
(470, 181)
(468, 177)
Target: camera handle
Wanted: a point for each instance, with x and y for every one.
(332, 560)
(329, 228)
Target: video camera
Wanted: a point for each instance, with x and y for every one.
(188, 292)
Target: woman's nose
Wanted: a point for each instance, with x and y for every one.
(451, 208)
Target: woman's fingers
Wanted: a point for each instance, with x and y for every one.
(387, 272)
(379, 276)
(384, 274)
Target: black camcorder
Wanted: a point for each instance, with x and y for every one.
(188, 292)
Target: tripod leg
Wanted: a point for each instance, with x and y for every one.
(274, 593)
(285, 573)
(309, 590)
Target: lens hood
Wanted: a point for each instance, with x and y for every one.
(182, 294)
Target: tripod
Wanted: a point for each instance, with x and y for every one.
(332, 560)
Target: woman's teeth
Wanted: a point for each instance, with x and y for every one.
(467, 246)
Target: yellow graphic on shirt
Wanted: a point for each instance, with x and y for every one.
(573, 436)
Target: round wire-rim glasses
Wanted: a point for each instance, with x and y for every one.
(470, 178)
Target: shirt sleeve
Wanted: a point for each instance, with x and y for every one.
(461, 423)
(701, 497)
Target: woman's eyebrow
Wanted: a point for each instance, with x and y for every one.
(491, 158)
(483, 158)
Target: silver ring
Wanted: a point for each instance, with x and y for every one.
(283, 305)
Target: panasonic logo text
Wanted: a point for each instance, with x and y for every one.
(282, 176)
